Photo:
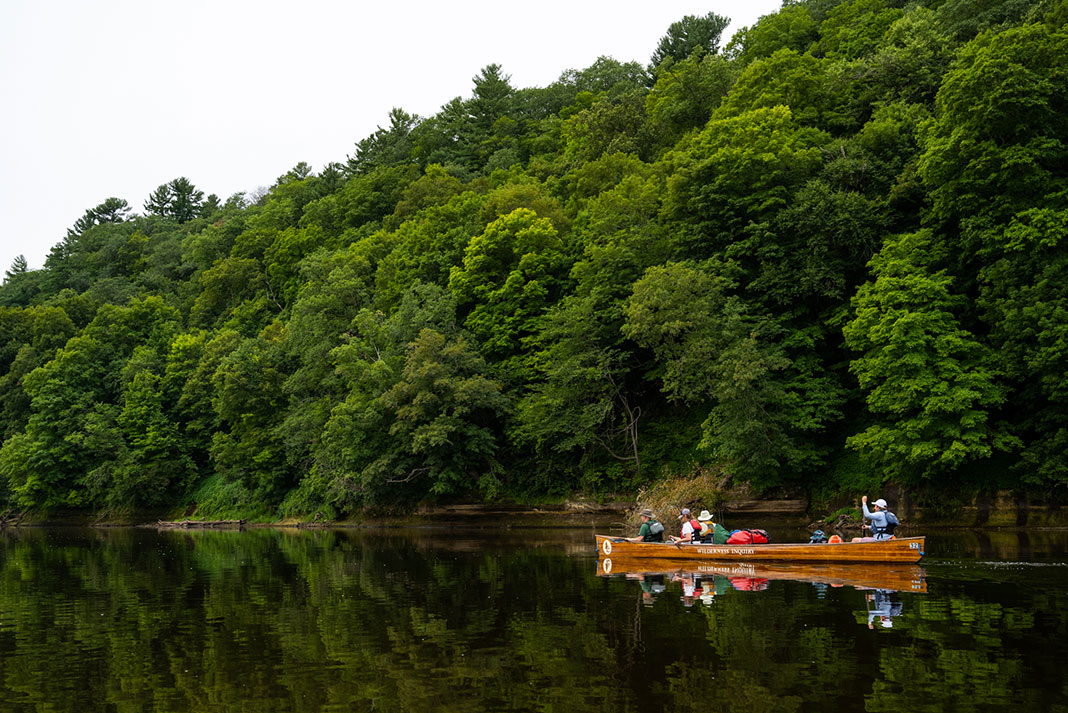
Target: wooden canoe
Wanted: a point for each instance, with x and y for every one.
(904, 549)
(897, 577)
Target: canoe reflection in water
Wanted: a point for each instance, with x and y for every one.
(652, 585)
(702, 588)
(704, 581)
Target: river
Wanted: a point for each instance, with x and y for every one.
(524, 619)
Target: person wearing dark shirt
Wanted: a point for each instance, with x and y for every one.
(650, 531)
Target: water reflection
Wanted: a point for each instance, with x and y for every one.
(746, 576)
(703, 583)
(132, 620)
(883, 606)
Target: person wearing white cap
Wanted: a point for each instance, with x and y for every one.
(711, 532)
(880, 527)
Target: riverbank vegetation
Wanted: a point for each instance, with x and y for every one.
(826, 252)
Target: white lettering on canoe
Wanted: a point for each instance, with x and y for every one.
(732, 550)
(733, 570)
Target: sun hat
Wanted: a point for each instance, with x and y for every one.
(704, 516)
(881, 503)
(684, 513)
(647, 513)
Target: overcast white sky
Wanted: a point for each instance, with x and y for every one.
(104, 98)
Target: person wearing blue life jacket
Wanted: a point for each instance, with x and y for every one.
(883, 521)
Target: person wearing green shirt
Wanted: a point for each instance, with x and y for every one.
(651, 530)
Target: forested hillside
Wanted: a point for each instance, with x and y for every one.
(824, 253)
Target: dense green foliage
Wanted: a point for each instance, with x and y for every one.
(841, 235)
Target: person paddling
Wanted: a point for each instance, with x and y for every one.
(882, 521)
(689, 527)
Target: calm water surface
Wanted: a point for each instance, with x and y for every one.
(525, 620)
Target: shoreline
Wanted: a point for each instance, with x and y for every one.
(1002, 510)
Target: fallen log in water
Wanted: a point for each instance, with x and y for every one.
(10, 519)
(200, 524)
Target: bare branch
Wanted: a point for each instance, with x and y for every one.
(410, 477)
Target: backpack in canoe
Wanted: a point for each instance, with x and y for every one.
(748, 537)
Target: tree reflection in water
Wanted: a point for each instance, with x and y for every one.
(307, 621)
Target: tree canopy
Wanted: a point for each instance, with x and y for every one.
(832, 252)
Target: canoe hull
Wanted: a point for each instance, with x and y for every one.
(905, 550)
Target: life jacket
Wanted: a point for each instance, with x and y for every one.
(748, 537)
(705, 532)
(656, 532)
(834, 540)
(696, 525)
(887, 531)
(817, 537)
